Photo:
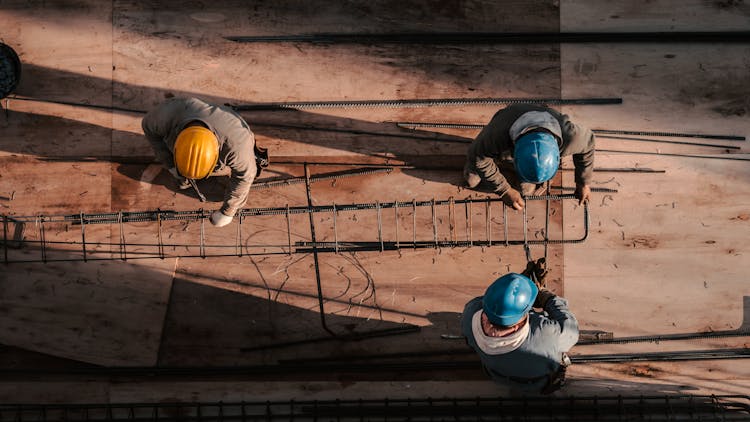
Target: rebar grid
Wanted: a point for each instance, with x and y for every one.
(585, 408)
(437, 234)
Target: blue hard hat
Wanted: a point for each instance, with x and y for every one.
(509, 298)
(536, 157)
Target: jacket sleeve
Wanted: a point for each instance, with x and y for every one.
(241, 160)
(567, 325)
(583, 158)
(156, 130)
(482, 154)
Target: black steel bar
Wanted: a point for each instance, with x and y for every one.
(83, 237)
(320, 178)
(449, 125)
(421, 102)
(669, 134)
(501, 37)
(666, 154)
(668, 337)
(667, 141)
(321, 304)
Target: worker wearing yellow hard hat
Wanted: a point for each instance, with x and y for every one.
(194, 140)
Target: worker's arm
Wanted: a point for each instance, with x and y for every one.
(565, 323)
(241, 160)
(583, 144)
(156, 128)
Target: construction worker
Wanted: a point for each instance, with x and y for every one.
(195, 140)
(519, 347)
(533, 138)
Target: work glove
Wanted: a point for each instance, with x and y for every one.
(218, 219)
(537, 271)
(582, 193)
(513, 199)
(542, 298)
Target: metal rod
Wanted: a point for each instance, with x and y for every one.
(452, 218)
(380, 225)
(161, 243)
(439, 37)
(123, 250)
(395, 214)
(321, 305)
(665, 141)
(42, 240)
(335, 229)
(289, 229)
(669, 134)
(414, 221)
(666, 154)
(320, 178)
(449, 125)
(83, 237)
(434, 223)
(418, 103)
(239, 235)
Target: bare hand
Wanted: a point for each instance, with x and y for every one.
(513, 199)
(582, 193)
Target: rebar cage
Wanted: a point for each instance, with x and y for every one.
(281, 230)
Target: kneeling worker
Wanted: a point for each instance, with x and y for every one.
(533, 138)
(194, 140)
(519, 347)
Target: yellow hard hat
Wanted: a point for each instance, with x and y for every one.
(196, 152)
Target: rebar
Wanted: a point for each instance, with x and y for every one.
(421, 103)
(449, 125)
(321, 304)
(479, 38)
(450, 237)
(667, 407)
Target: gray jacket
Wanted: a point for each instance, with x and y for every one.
(494, 142)
(550, 335)
(236, 142)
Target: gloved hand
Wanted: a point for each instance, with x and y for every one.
(542, 298)
(539, 271)
(513, 198)
(218, 219)
(582, 193)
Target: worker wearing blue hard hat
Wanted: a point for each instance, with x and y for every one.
(534, 138)
(518, 346)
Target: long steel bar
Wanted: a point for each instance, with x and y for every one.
(320, 178)
(321, 304)
(500, 37)
(667, 141)
(447, 125)
(422, 102)
(668, 407)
